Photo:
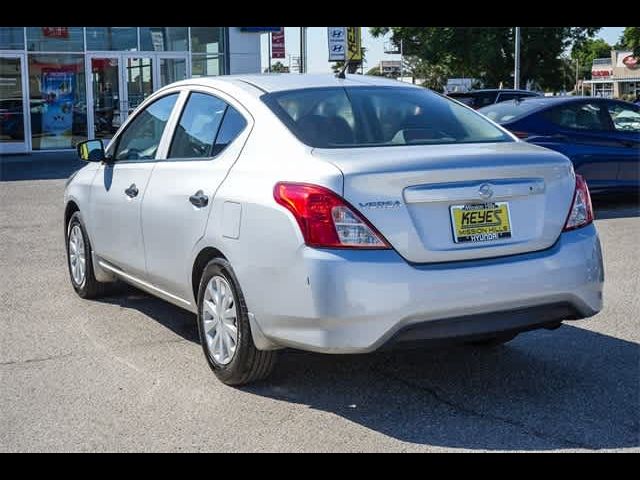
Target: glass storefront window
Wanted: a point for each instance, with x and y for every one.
(11, 101)
(57, 100)
(55, 39)
(206, 39)
(205, 65)
(164, 39)
(172, 70)
(112, 38)
(11, 38)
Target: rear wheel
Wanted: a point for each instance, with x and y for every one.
(79, 260)
(225, 332)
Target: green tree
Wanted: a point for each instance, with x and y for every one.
(278, 67)
(630, 40)
(375, 71)
(585, 52)
(487, 52)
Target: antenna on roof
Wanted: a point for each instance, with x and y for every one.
(341, 74)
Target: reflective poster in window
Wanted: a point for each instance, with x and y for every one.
(58, 106)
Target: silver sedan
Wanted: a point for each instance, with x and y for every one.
(333, 215)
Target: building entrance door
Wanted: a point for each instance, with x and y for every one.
(14, 133)
(119, 82)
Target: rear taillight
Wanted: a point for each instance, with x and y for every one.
(325, 219)
(521, 135)
(581, 212)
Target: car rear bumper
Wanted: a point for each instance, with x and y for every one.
(357, 301)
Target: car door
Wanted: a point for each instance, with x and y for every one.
(625, 121)
(207, 137)
(581, 131)
(120, 184)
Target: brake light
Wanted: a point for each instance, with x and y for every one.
(325, 219)
(581, 212)
(522, 135)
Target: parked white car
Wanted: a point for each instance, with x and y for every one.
(332, 215)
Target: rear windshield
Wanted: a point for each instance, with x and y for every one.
(340, 117)
(506, 111)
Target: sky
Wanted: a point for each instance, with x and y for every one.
(318, 51)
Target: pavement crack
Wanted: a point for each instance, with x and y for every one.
(469, 411)
(35, 360)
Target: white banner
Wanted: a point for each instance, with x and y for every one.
(337, 43)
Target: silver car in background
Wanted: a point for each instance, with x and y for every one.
(331, 215)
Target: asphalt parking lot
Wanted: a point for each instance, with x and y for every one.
(127, 373)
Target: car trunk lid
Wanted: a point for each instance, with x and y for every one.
(407, 193)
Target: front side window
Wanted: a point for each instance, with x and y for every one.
(625, 118)
(142, 136)
(379, 116)
(198, 127)
(579, 116)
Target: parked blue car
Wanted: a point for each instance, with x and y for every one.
(600, 136)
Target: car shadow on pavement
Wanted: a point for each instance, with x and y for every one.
(39, 166)
(569, 388)
(176, 319)
(616, 206)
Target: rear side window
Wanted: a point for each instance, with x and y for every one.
(484, 98)
(199, 123)
(626, 118)
(579, 116)
(378, 116)
(504, 112)
(232, 125)
(512, 95)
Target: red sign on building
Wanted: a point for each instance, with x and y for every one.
(55, 32)
(277, 44)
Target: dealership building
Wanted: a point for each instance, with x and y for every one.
(62, 85)
(616, 76)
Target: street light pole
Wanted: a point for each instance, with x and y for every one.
(516, 72)
(270, 39)
(303, 49)
(401, 60)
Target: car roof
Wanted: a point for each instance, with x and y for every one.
(492, 90)
(543, 101)
(275, 82)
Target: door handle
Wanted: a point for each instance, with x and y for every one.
(628, 143)
(132, 191)
(199, 199)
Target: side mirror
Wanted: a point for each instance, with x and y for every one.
(91, 151)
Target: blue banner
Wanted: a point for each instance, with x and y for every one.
(57, 92)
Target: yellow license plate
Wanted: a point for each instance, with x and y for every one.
(480, 222)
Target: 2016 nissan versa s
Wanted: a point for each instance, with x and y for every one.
(332, 215)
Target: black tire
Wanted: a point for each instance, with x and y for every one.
(495, 341)
(89, 287)
(248, 364)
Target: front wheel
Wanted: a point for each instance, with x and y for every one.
(79, 260)
(225, 332)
